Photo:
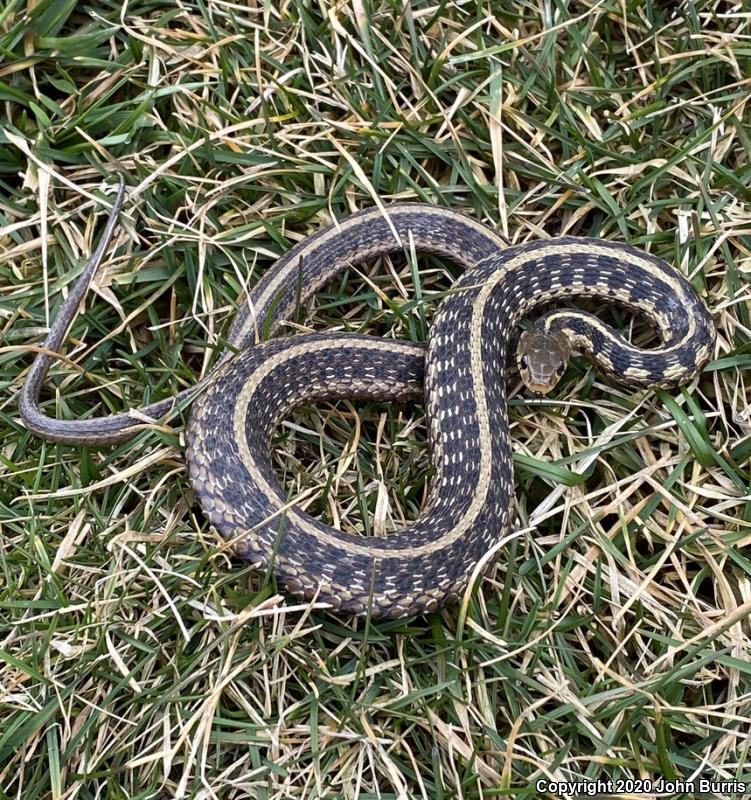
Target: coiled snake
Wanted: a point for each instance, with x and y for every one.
(461, 372)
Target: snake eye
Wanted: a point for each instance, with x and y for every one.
(524, 361)
(560, 367)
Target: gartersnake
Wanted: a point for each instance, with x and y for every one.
(462, 374)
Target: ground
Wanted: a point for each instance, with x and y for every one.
(138, 658)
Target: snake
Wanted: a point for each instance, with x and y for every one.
(460, 375)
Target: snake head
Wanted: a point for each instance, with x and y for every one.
(542, 359)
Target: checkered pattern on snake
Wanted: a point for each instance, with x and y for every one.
(460, 374)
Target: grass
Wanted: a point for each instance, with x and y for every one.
(611, 641)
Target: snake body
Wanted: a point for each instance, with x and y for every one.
(461, 376)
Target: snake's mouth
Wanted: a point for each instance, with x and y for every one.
(539, 389)
(540, 379)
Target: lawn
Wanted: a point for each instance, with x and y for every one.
(611, 641)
